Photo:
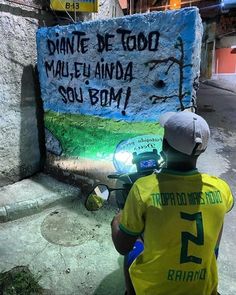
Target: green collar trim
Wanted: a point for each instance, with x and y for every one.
(181, 173)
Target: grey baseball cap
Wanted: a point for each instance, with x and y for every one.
(185, 131)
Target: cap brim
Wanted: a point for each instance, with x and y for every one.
(165, 117)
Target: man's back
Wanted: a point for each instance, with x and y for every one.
(181, 215)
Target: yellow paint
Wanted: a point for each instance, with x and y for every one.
(75, 5)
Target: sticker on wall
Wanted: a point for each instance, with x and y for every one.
(106, 81)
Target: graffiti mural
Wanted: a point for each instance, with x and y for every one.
(104, 82)
(172, 60)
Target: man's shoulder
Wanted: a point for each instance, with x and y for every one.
(213, 178)
(146, 178)
(156, 178)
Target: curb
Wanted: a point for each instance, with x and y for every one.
(26, 208)
(216, 85)
(33, 195)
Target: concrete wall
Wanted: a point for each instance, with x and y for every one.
(112, 83)
(225, 66)
(207, 52)
(108, 9)
(21, 121)
(225, 61)
(226, 42)
(217, 57)
(19, 143)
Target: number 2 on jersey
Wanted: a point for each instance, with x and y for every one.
(186, 237)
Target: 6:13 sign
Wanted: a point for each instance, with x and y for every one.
(72, 6)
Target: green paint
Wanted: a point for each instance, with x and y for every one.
(186, 237)
(186, 276)
(94, 137)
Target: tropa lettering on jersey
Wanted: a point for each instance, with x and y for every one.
(185, 199)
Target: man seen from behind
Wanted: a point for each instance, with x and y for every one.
(179, 213)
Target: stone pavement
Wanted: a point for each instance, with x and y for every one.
(67, 249)
(33, 195)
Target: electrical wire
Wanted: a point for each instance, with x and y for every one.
(74, 21)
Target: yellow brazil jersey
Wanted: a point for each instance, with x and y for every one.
(181, 216)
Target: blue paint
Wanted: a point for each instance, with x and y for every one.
(184, 23)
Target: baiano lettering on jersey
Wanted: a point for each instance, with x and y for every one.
(186, 276)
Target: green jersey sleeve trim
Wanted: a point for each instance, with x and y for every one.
(125, 230)
(231, 206)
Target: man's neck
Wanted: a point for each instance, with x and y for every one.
(184, 167)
